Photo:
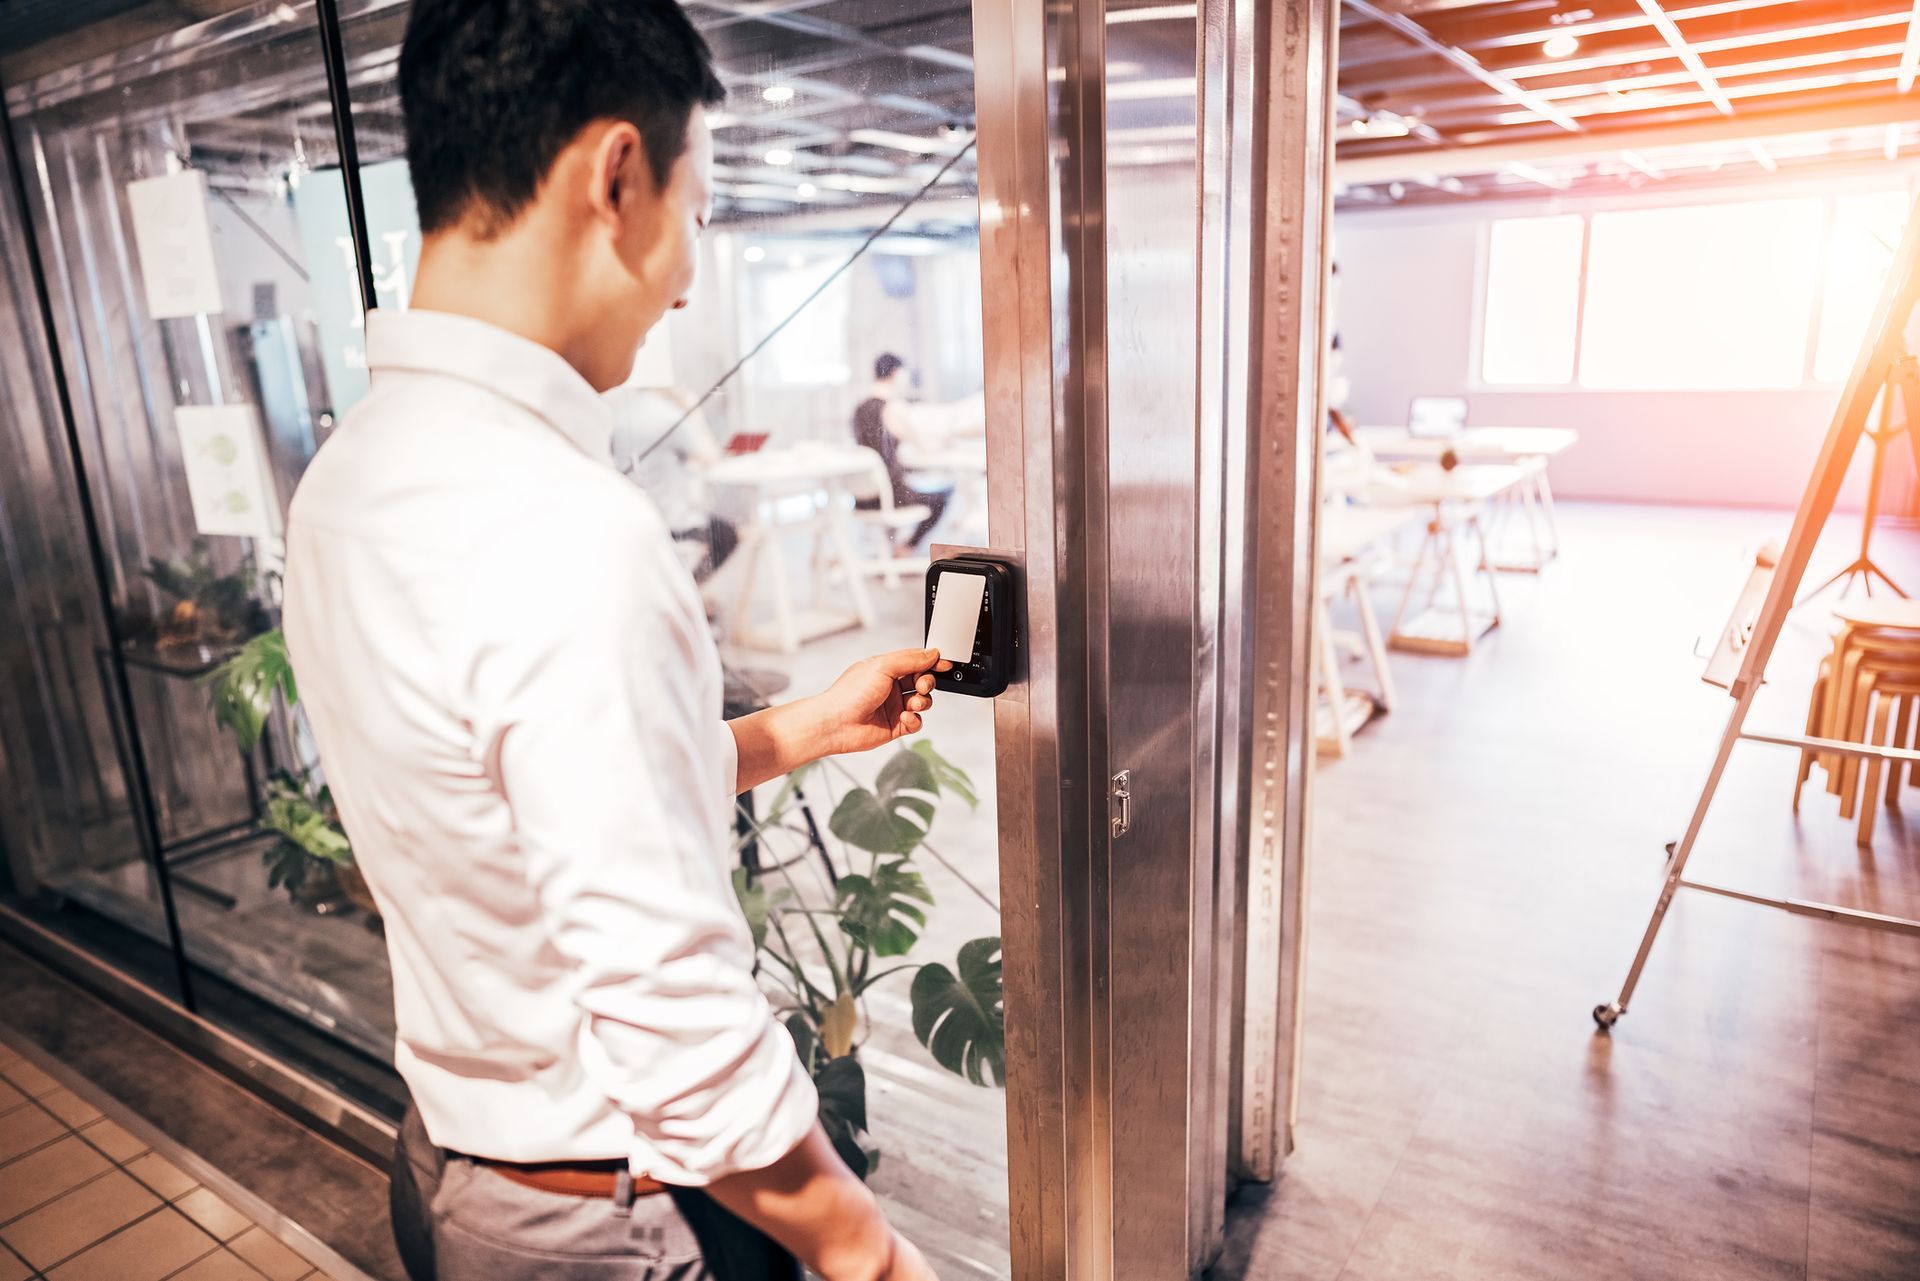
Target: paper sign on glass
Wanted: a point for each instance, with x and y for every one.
(175, 241)
(227, 474)
(956, 616)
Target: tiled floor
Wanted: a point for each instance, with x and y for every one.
(83, 1200)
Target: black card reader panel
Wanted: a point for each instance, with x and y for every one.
(996, 641)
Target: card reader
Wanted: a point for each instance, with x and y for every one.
(971, 621)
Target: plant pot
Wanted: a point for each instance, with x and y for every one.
(320, 893)
(355, 887)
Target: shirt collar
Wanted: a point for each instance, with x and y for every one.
(518, 369)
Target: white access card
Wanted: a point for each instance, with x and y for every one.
(956, 615)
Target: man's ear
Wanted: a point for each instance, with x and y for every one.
(619, 168)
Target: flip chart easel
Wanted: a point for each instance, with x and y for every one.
(1884, 366)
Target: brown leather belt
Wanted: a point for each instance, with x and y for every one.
(572, 1178)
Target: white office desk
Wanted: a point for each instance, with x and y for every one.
(1474, 445)
(1530, 504)
(803, 489)
(1348, 531)
(1452, 503)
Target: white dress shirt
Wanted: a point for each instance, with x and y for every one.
(518, 706)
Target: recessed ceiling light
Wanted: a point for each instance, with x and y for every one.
(806, 191)
(777, 93)
(779, 156)
(1563, 45)
(754, 253)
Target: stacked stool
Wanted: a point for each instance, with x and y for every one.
(1867, 692)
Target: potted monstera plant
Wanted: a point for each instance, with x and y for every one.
(311, 859)
(825, 943)
(210, 610)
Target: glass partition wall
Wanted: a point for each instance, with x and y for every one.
(157, 180)
(193, 217)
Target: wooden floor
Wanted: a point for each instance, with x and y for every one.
(1484, 864)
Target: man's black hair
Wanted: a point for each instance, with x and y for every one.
(494, 90)
(885, 367)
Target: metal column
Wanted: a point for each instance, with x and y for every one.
(1293, 153)
(1148, 395)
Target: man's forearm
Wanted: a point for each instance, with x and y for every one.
(812, 1204)
(875, 702)
(774, 742)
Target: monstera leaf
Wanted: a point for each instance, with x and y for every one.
(842, 1085)
(894, 816)
(302, 822)
(244, 685)
(962, 1020)
(881, 824)
(880, 911)
(949, 777)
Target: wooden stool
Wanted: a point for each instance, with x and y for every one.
(1867, 691)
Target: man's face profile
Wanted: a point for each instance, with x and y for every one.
(658, 241)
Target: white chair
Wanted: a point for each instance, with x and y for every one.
(891, 520)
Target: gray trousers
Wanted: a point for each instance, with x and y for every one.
(456, 1220)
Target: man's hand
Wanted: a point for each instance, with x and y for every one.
(869, 705)
(875, 702)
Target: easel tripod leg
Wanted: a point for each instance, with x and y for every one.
(1607, 1015)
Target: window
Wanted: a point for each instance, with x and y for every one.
(1688, 297)
(1866, 231)
(1701, 296)
(1533, 300)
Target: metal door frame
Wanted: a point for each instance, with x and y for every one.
(1090, 1154)
(1292, 179)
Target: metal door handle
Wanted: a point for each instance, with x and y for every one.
(1120, 790)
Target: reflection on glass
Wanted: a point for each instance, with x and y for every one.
(186, 200)
(65, 817)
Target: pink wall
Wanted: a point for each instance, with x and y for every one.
(1407, 299)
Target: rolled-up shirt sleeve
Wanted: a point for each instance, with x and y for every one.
(610, 751)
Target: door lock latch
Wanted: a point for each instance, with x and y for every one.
(1120, 790)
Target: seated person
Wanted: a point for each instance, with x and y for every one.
(879, 423)
(669, 466)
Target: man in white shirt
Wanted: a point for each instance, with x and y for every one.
(518, 702)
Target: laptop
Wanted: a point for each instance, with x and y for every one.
(1436, 416)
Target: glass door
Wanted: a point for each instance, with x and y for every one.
(839, 288)
(158, 179)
